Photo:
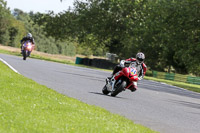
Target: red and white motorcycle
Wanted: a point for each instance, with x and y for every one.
(125, 79)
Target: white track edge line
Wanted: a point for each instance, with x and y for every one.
(9, 66)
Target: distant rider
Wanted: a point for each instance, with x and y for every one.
(28, 37)
(138, 62)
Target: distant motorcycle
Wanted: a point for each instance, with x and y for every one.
(27, 49)
(126, 79)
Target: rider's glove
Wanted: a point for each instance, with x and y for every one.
(122, 63)
(140, 77)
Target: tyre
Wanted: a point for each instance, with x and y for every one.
(119, 89)
(24, 55)
(105, 91)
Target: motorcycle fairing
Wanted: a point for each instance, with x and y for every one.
(27, 45)
(131, 74)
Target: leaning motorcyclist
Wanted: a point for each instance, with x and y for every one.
(137, 62)
(28, 37)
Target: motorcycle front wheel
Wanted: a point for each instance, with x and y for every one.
(24, 54)
(118, 89)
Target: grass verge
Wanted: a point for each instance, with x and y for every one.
(192, 87)
(38, 56)
(29, 107)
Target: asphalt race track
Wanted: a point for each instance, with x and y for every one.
(159, 106)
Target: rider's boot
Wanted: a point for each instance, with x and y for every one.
(21, 50)
(108, 79)
(29, 54)
(134, 87)
(112, 82)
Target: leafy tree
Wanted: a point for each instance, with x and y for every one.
(4, 21)
(11, 30)
(166, 31)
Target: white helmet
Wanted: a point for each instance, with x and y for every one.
(140, 58)
(29, 35)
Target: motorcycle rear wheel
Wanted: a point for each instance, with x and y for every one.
(119, 89)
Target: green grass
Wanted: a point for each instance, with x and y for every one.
(9, 52)
(29, 107)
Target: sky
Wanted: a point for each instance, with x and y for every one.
(42, 6)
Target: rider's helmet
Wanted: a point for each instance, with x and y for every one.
(140, 58)
(29, 35)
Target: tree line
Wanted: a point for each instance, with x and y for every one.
(168, 32)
